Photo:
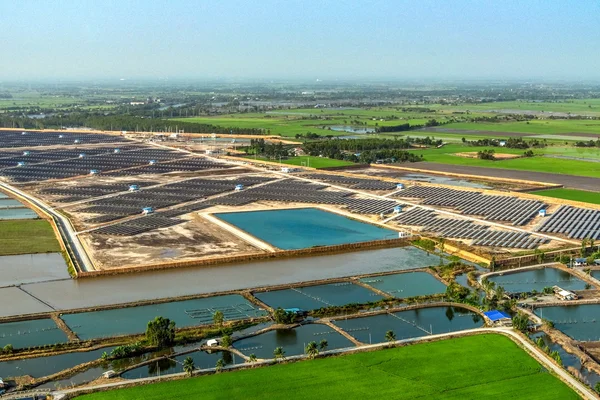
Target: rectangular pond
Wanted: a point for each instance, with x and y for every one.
(132, 320)
(293, 341)
(29, 268)
(408, 284)
(581, 322)
(17, 213)
(38, 332)
(304, 227)
(15, 301)
(537, 279)
(319, 296)
(66, 294)
(410, 323)
(45, 366)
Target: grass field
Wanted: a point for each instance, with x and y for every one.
(310, 161)
(541, 127)
(571, 194)
(27, 237)
(476, 367)
(579, 106)
(446, 155)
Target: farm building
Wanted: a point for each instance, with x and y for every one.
(564, 294)
(497, 318)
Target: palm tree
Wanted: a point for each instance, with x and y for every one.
(323, 344)
(251, 358)
(390, 336)
(583, 245)
(279, 353)
(188, 366)
(312, 350)
(220, 364)
(500, 293)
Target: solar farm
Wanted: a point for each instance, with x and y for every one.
(132, 202)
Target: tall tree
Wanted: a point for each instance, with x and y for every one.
(160, 332)
(218, 318)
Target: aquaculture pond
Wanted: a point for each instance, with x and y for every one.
(75, 293)
(15, 301)
(44, 366)
(172, 365)
(32, 333)
(570, 361)
(410, 323)
(293, 341)
(131, 320)
(17, 213)
(537, 279)
(29, 268)
(315, 297)
(408, 284)
(596, 274)
(305, 227)
(581, 322)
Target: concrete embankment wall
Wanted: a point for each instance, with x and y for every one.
(252, 257)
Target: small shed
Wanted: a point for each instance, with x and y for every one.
(152, 162)
(23, 133)
(397, 209)
(286, 170)
(61, 136)
(93, 171)
(134, 188)
(239, 187)
(580, 262)
(76, 141)
(25, 153)
(212, 343)
(21, 164)
(81, 155)
(497, 318)
(147, 210)
(109, 374)
(542, 212)
(399, 186)
(116, 150)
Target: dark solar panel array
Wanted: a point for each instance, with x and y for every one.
(465, 229)
(169, 195)
(355, 183)
(82, 166)
(10, 139)
(576, 223)
(492, 207)
(188, 164)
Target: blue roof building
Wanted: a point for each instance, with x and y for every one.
(495, 317)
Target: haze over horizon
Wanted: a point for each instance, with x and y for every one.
(381, 39)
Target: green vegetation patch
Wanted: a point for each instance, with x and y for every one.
(26, 237)
(571, 194)
(484, 366)
(310, 161)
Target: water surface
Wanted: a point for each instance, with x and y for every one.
(408, 284)
(537, 279)
(581, 322)
(28, 268)
(305, 227)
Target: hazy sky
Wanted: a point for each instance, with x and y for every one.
(74, 39)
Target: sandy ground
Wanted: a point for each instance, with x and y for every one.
(498, 156)
(195, 239)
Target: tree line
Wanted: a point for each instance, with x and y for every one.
(121, 123)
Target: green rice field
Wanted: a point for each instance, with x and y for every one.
(571, 194)
(26, 237)
(475, 367)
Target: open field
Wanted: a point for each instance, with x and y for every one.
(27, 236)
(539, 127)
(486, 366)
(579, 106)
(571, 194)
(572, 166)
